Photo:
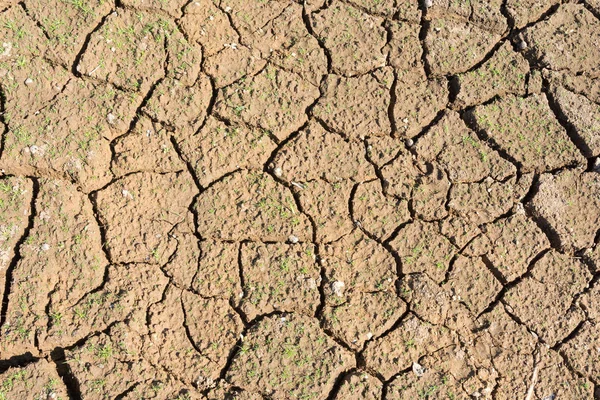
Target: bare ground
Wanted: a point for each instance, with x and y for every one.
(318, 199)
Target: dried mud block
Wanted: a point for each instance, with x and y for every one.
(29, 84)
(583, 115)
(69, 139)
(556, 380)
(433, 304)
(203, 22)
(104, 368)
(400, 174)
(212, 149)
(250, 206)
(582, 351)
(377, 213)
(317, 154)
(509, 245)
(327, 205)
(512, 348)
(483, 202)
(430, 194)
(356, 264)
(543, 301)
(286, 42)
(405, 345)
(454, 45)
(422, 248)
(449, 373)
(486, 14)
(526, 129)
(404, 47)
(38, 380)
(274, 100)
(583, 84)
(357, 107)
(418, 101)
(213, 325)
(15, 208)
(363, 316)
(288, 356)
(360, 385)
(67, 25)
(354, 39)
(472, 283)
(138, 213)
(428, 189)
(169, 345)
(181, 107)
(566, 40)
(569, 204)
(182, 266)
(147, 148)
(127, 294)
(460, 153)
(173, 7)
(218, 272)
(249, 16)
(21, 38)
(233, 63)
(61, 260)
(524, 13)
(127, 49)
(279, 277)
(505, 72)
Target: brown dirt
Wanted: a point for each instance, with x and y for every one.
(320, 199)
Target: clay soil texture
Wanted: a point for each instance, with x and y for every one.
(300, 199)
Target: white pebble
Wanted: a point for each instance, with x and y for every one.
(428, 3)
(522, 45)
(28, 81)
(418, 369)
(278, 172)
(111, 118)
(293, 239)
(337, 288)
(45, 247)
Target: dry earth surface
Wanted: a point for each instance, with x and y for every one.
(310, 199)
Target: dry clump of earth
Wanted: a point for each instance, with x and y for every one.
(319, 199)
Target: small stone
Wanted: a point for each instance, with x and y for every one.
(418, 369)
(111, 118)
(409, 142)
(597, 165)
(278, 172)
(428, 3)
(34, 149)
(337, 288)
(293, 239)
(522, 45)
(45, 247)
(28, 81)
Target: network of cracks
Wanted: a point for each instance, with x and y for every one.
(318, 199)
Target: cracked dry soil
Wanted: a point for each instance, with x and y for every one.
(316, 199)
